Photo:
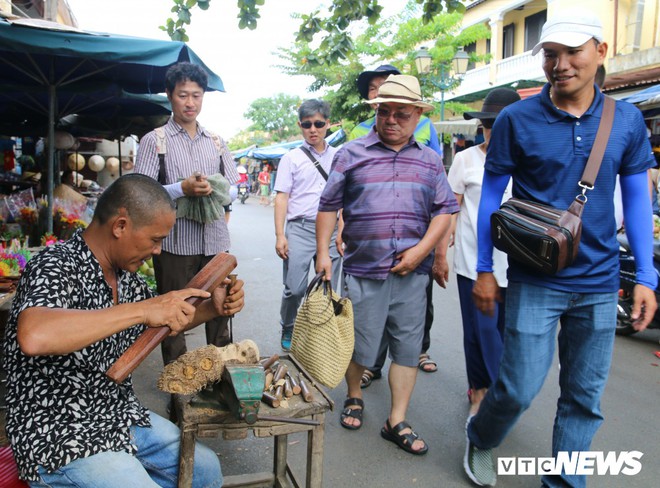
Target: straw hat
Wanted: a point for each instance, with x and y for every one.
(401, 89)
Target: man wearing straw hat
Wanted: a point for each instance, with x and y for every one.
(396, 206)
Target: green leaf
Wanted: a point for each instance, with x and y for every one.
(184, 15)
(191, 3)
(203, 4)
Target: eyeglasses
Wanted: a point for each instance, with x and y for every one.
(398, 116)
(319, 124)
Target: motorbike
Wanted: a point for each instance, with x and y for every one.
(627, 277)
(243, 192)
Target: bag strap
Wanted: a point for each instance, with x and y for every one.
(161, 149)
(600, 143)
(317, 164)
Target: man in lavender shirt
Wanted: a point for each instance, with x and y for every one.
(301, 177)
(396, 207)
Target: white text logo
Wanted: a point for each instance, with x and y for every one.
(574, 463)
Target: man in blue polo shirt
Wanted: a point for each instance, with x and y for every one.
(543, 143)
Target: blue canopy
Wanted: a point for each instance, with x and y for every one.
(53, 60)
(276, 151)
(652, 93)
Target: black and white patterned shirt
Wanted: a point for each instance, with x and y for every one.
(62, 408)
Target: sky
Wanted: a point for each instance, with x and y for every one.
(243, 59)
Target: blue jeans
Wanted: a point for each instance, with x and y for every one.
(156, 463)
(586, 340)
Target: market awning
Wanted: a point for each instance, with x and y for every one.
(645, 98)
(458, 126)
(50, 58)
(276, 151)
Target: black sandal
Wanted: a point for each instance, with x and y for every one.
(404, 441)
(355, 413)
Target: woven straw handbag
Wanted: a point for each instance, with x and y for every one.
(323, 336)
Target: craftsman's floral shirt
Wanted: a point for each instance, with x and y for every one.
(61, 408)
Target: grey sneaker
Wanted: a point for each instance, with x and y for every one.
(478, 463)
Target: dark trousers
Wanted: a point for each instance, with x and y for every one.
(426, 342)
(173, 272)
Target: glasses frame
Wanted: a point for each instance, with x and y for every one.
(399, 116)
(319, 124)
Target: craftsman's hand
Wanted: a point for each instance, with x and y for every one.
(440, 270)
(196, 186)
(282, 246)
(229, 302)
(485, 293)
(408, 261)
(171, 309)
(644, 307)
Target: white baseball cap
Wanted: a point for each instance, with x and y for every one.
(570, 29)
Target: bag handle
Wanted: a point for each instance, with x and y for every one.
(316, 281)
(598, 149)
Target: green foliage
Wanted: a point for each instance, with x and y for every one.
(277, 116)
(336, 44)
(393, 41)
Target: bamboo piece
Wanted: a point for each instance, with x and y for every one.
(270, 400)
(288, 391)
(280, 373)
(268, 381)
(295, 387)
(268, 363)
(306, 393)
(208, 279)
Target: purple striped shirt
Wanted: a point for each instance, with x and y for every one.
(389, 199)
(184, 156)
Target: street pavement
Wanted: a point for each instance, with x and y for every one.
(439, 405)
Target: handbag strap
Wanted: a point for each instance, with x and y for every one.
(316, 162)
(600, 143)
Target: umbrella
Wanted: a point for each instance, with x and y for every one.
(127, 114)
(52, 59)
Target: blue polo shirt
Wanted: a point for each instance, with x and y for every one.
(545, 150)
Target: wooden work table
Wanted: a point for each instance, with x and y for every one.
(201, 421)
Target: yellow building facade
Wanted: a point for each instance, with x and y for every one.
(631, 30)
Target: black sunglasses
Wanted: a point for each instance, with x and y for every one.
(319, 124)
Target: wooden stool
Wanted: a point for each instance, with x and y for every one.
(201, 421)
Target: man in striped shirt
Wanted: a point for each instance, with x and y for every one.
(191, 150)
(396, 205)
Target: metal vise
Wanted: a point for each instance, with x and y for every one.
(241, 388)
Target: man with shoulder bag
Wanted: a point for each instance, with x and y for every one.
(543, 143)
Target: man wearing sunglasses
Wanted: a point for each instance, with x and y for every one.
(301, 177)
(396, 205)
